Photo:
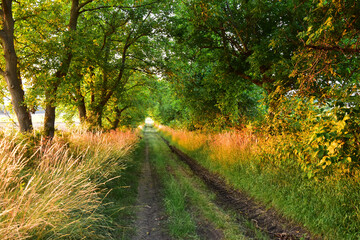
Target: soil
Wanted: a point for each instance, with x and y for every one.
(207, 231)
(267, 220)
(150, 217)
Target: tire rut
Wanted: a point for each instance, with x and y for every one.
(205, 229)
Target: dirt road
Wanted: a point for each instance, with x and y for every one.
(150, 215)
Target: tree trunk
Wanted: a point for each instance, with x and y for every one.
(50, 114)
(118, 112)
(12, 73)
(94, 117)
(115, 124)
(99, 118)
(82, 110)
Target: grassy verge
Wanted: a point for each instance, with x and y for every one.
(52, 190)
(120, 201)
(188, 202)
(328, 207)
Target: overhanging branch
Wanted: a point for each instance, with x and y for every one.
(85, 3)
(118, 7)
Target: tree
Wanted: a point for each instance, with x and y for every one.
(252, 39)
(113, 46)
(11, 73)
(327, 62)
(65, 61)
(221, 58)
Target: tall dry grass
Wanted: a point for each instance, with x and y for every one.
(189, 140)
(103, 150)
(226, 148)
(59, 195)
(230, 148)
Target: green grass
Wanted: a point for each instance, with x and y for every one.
(180, 223)
(203, 201)
(119, 204)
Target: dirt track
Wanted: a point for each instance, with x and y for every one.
(149, 216)
(268, 220)
(151, 220)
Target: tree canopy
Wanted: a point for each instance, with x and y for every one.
(201, 64)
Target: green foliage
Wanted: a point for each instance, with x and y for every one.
(219, 56)
(329, 55)
(225, 54)
(167, 108)
(321, 138)
(205, 96)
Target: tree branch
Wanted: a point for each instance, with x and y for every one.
(26, 17)
(118, 7)
(235, 27)
(134, 86)
(85, 3)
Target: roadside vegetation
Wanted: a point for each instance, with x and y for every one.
(119, 205)
(326, 204)
(269, 99)
(55, 189)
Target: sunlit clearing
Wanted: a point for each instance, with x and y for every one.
(149, 121)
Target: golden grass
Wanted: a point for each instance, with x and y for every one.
(59, 196)
(226, 148)
(186, 139)
(233, 147)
